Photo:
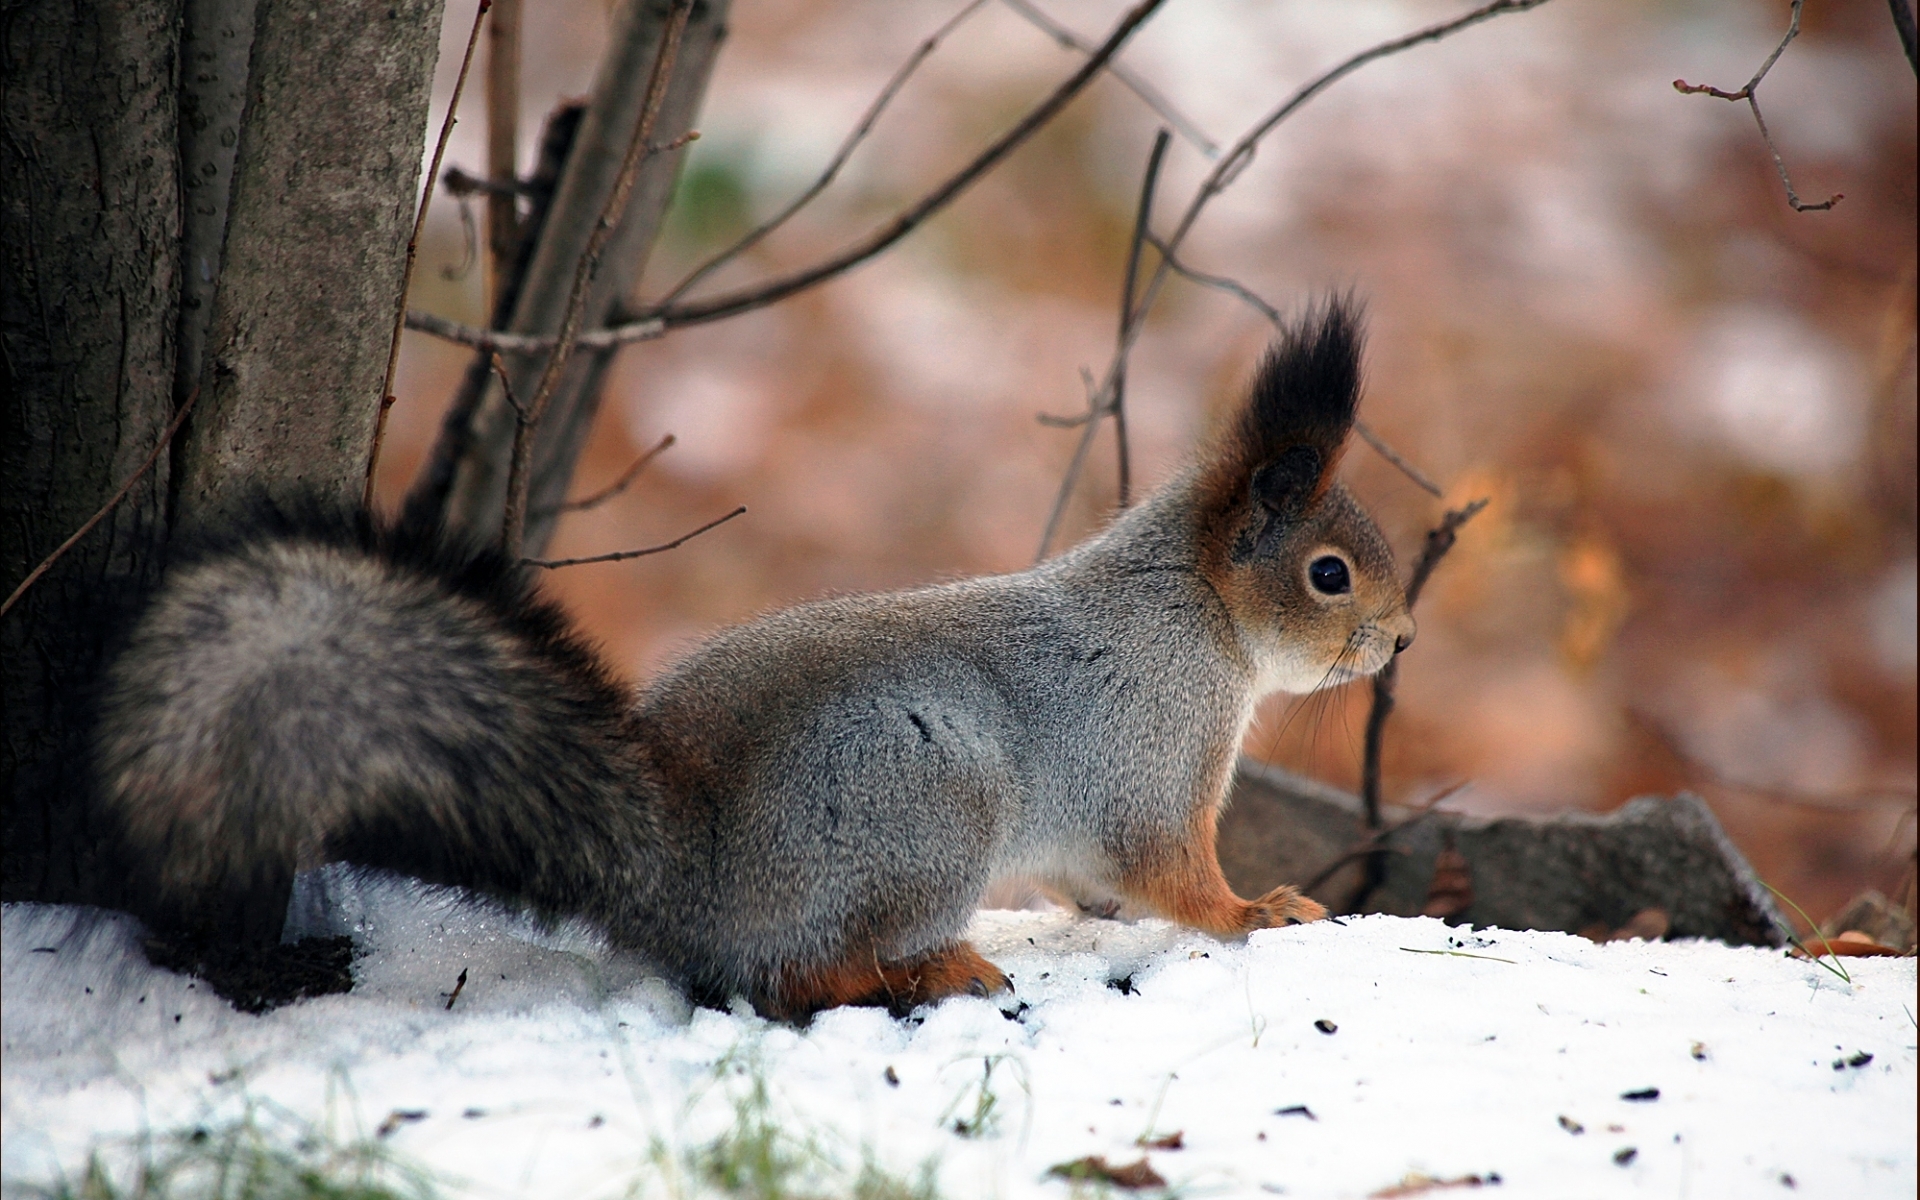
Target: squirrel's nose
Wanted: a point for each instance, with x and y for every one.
(1404, 640)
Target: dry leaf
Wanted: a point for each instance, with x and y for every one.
(1093, 1166)
(1451, 892)
(1172, 1141)
(1649, 924)
(1851, 944)
(1416, 1184)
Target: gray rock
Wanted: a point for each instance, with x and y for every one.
(1574, 872)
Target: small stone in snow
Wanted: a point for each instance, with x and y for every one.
(1326, 1026)
(1625, 1155)
(1641, 1094)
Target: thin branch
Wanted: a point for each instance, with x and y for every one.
(426, 500)
(1440, 539)
(1235, 288)
(46, 564)
(656, 320)
(1131, 79)
(756, 235)
(1380, 447)
(499, 370)
(413, 254)
(1142, 220)
(638, 149)
(760, 295)
(1750, 93)
(1090, 425)
(532, 343)
(1378, 840)
(1232, 287)
(503, 145)
(1112, 401)
(1236, 160)
(623, 555)
(1229, 168)
(1849, 800)
(617, 486)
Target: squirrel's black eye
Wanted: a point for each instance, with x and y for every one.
(1329, 575)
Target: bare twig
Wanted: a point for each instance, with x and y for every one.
(1229, 168)
(656, 320)
(619, 485)
(413, 254)
(46, 564)
(1750, 93)
(623, 555)
(1128, 77)
(756, 235)
(427, 498)
(1089, 425)
(1232, 287)
(1378, 840)
(1380, 447)
(1142, 221)
(503, 145)
(1236, 160)
(1242, 152)
(499, 370)
(1440, 539)
(1111, 402)
(531, 343)
(728, 304)
(1235, 288)
(1845, 800)
(638, 148)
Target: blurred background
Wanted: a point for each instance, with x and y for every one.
(1692, 407)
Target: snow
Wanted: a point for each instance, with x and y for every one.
(564, 1071)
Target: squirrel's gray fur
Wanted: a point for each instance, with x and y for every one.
(807, 810)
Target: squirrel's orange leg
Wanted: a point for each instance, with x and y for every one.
(956, 970)
(1184, 884)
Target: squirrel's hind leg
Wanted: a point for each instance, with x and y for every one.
(900, 987)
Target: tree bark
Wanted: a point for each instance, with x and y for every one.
(124, 251)
(323, 196)
(216, 41)
(89, 241)
(477, 497)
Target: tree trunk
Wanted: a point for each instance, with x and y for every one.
(89, 242)
(323, 199)
(280, 317)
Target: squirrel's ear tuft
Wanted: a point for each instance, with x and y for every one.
(1302, 405)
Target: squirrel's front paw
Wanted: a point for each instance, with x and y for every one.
(1283, 905)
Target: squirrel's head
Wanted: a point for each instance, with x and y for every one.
(1309, 581)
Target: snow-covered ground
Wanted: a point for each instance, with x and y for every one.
(1329, 1060)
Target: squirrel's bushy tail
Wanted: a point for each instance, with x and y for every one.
(308, 687)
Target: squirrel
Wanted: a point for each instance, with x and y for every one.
(808, 809)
